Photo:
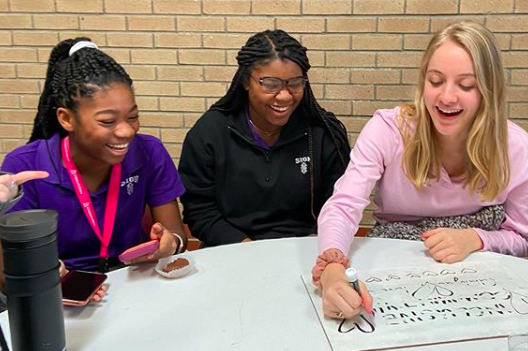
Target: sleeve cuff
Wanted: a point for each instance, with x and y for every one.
(223, 233)
(5, 206)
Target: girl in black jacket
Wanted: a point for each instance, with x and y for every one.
(261, 162)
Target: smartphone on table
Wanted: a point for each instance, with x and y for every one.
(139, 250)
(78, 287)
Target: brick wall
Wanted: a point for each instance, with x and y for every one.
(181, 53)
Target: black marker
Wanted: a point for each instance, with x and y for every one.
(353, 281)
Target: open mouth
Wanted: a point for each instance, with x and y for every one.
(118, 147)
(449, 113)
(279, 109)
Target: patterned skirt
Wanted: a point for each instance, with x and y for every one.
(488, 218)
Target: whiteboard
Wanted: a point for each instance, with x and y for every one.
(431, 304)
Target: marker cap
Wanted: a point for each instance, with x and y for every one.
(351, 274)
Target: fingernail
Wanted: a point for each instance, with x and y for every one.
(370, 311)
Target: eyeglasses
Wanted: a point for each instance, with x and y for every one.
(272, 85)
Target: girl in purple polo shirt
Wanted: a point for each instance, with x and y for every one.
(451, 170)
(102, 174)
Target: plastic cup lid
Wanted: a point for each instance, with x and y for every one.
(28, 225)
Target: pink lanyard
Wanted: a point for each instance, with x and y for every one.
(86, 202)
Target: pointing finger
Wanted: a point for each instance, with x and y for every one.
(25, 176)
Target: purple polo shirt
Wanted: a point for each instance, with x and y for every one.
(148, 176)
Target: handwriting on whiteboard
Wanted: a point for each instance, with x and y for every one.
(436, 303)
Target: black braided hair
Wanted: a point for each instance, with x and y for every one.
(259, 50)
(69, 78)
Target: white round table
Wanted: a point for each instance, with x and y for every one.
(247, 296)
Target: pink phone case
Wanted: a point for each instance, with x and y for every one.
(139, 250)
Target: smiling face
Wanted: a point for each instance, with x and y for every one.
(271, 111)
(103, 126)
(451, 94)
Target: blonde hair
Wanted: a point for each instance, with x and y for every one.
(488, 170)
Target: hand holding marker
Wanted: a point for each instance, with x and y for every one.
(353, 281)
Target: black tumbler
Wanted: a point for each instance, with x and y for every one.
(31, 269)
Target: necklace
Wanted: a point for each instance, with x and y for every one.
(263, 131)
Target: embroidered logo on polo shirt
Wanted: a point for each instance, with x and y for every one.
(303, 161)
(129, 183)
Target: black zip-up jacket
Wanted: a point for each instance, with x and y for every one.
(236, 189)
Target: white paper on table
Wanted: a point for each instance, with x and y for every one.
(431, 304)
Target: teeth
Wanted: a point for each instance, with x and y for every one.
(449, 111)
(279, 108)
(118, 146)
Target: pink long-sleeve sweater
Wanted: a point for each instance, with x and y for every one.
(375, 160)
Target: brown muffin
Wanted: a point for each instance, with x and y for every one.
(176, 264)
